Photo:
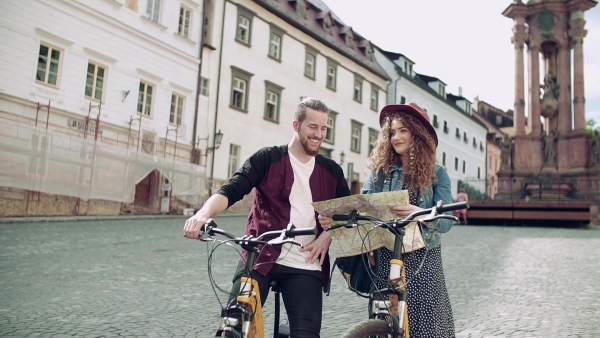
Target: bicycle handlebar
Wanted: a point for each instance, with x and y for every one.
(434, 213)
(283, 236)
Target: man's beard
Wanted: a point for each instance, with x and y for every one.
(304, 142)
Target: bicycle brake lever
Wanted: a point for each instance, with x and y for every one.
(438, 216)
(282, 240)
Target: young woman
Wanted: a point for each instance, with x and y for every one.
(404, 158)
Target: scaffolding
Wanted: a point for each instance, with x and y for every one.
(40, 160)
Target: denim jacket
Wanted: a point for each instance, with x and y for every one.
(440, 191)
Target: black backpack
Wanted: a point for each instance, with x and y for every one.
(359, 271)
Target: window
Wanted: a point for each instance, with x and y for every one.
(234, 159)
(355, 136)
(239, 93)
(145, 96)
(349, 39)
(369, 52)
(310, 63)
(444, 159)
(204, 86)
(330, 137)
(272, 101)
(331, 75)
(402, 100)
(327, 23)
(153, 10)
(177, 104)
(301, 8)
(357, 92)
(48, 65)
(435, 121)
(373, 133)
(244, 25)
(239, 89)
(480, 146)
(275, 43)
(94, 81)
(446, 130)
(456, 163)
(441, 90)
(464, 166)
(478, 173)
(465, 138)
(474, 143)
(185, 15)
(374, 97)
(457, 134)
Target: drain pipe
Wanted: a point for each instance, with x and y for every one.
(198, 85)
(212, 157)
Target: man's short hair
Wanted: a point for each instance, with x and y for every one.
(312, 103)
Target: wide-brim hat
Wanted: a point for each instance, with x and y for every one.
(412, 109)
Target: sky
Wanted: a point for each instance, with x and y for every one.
(464, 43)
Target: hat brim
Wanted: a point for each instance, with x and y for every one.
(392, 108)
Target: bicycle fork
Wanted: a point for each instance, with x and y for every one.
(246, 314)
(394, 307)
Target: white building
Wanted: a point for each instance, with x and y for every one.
(129, 68)
(462, 137)
(261, 57)
(126, 100)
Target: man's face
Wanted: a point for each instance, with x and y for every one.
(312, 131)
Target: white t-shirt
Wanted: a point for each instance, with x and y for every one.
(302, 215)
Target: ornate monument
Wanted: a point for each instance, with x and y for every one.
(556, 154)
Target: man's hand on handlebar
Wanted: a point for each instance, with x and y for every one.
(194, 227)
(325, 222)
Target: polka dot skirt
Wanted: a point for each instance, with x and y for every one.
(429, 309)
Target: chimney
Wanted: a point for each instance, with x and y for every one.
(460, 91)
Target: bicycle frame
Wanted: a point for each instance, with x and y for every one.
(243, 317)
(391, 303)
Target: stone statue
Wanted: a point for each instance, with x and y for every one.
(550, 144)
(595, 149)
(549, 100)
(507, 151)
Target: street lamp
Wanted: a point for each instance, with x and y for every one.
(217, 144)
(342, 157)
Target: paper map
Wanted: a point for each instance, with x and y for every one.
(354, 241)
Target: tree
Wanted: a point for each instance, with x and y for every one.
(590, 127)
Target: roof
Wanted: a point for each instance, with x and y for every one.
(429, 79)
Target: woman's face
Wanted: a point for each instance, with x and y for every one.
(400, 137)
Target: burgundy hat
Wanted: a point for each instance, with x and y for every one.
(412, 109)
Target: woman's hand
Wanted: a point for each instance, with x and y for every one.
(405, 210)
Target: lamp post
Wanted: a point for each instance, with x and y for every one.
(218, 138)
(342, 157)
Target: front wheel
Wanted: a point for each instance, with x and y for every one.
(371, 328)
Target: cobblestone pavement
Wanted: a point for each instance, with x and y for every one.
(128, 277)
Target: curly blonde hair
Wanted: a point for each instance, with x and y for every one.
(420, 171)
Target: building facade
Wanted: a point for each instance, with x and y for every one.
(150, 105)
(462, 137)
(262, 57)
(97, 102)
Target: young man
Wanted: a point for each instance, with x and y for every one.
(286, 179)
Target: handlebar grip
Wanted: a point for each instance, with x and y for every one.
(301, 232)
(453, 206)
(341, 217)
